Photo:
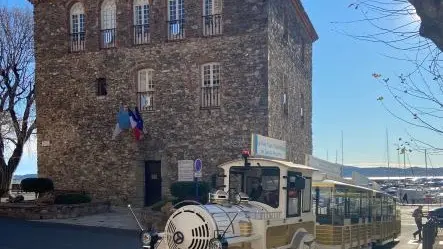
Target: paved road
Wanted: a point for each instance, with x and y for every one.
(19, 234)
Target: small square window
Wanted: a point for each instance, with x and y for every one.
(101, 87)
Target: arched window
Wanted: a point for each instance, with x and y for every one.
(145, 89)
(176, 19)
(108, 23)
(210, 85)
(77, 20)
(212, 17)
(141, 21)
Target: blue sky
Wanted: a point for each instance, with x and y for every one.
(344, 93)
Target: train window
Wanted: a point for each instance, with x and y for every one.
(259, 183)
(307, 195)
(293, 195)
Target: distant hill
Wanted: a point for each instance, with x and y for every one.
(385, 171)
(19, 178)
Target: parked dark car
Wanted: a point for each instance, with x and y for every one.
(437, 213)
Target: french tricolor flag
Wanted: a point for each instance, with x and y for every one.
(136, 124)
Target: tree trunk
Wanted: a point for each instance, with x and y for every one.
(5, 183)
(431, 15)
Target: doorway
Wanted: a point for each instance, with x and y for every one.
(153, 182)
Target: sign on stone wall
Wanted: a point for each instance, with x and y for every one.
(267, 147)
(185, 170)
(331, 169)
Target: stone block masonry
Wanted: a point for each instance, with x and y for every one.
(78, 124)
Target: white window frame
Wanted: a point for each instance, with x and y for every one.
(108, 23)
(141, 12)
(145, 89)
(77, 26)
(176, 28)
(213, 88)
(212, 17)
(307, 196)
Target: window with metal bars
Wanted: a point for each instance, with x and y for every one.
(145, 90)
(212, 17)
(210, 92)
(77, 34)
(141, 22)
(108, 24)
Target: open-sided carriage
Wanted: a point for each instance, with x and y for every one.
(352, 216)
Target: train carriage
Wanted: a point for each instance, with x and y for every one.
(387, 218)
(343, 215)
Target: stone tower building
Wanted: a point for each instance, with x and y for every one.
(204, 73)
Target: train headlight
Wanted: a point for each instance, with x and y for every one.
(146, 238)
(215, 244)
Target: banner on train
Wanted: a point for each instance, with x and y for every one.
(331, 169)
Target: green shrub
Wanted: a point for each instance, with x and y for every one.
(187, 191)
(72, 199)
(37, 185)
(158, 205)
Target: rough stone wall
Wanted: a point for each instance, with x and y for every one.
(79, 125)
(291, 74)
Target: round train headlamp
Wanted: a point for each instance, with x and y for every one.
(215, 244)
(146, 238)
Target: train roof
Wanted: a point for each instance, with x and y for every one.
(262, 161)
(333, 183)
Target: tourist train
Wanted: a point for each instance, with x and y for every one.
(268, 203)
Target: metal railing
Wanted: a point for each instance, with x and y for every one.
(77, 41)
(176, 29)
(141, 34)
(107, 38)
(210, 97)
(212, 25)
(146, 95)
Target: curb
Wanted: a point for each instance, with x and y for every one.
(41, 224)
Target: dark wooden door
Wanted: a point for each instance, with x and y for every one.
(153, 182)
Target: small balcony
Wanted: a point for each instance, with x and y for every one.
(77, 41)
(210, 97)
(212, 25)
(107, 38)
(176, 29)
(141, 34)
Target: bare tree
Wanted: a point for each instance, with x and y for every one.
(415, 29)
(17, 93)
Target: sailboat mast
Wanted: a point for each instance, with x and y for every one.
(387, 151)
(426, 164)
(342, 161)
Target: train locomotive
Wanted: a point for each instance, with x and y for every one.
(264, 203)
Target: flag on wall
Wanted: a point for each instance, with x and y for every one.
(123, 122)
(136, 124)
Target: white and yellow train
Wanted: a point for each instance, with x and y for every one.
(269, 203)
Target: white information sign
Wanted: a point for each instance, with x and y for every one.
(330, 169)
(185, 170)
(267, 147)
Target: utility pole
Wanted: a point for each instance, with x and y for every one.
(327, 155)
